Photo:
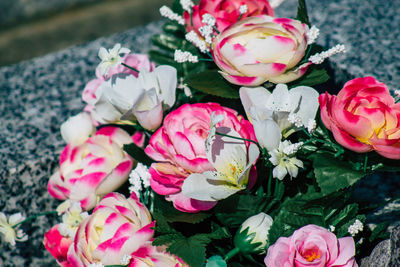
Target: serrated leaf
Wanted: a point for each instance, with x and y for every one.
(345, 214)
(234, 210)
(332, 174)
(138, 153)
(211, 82)
(302, 12)
(191, 250)
(166, 239)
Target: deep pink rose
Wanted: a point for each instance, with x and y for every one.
(226, 12)
(94, 168)
(137, 61)
(363, 117)
(313, 246)
(179, 149)
(57, 245)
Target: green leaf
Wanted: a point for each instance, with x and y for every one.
(332, 174)
(302, 12)
(138, 153)
(379, 232)
(211, 82)
(166, 239)
(234, 210)
(313, 77)
(191, 250)
(169, 42)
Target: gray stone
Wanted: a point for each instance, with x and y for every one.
(36, 96)
(386, 253)
(379, 257)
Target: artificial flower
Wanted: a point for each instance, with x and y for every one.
(280, 113)
(110, 58)
(57, 245)
(117, 226)
(71, 220)
(125, 97)
(225, 12)
(363, 117)
(284, 161)
(178, 147)
(252, 235)
(260, 49)
(314, 246)
(94, 168)
(232, 162)
(10, 230)
(77, 129)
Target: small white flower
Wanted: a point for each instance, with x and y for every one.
(320, 57)
(183, 56)
(185, 88)
(9, 230)
(355, 228)
(187, 5)
(195, 39)
(139, 178)
(332, 228)
(168, 13)
(243, 9)
(397, 93)
(110, 58)
(214, 120)
(312, 35)
(284, 163)
(292, 148)
(96, 264)
(71, 220)
(207, 33)
(208, 19)
(311, 125)
(126, 259)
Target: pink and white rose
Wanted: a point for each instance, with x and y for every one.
(117, 228)
(260, 49)
(225, 12)
(179, 149)
(313, 246)
(363, 117)
(94, 168)
(57, 245)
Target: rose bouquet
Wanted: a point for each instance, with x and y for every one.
(228, 151)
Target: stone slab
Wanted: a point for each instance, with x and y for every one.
(36, 96)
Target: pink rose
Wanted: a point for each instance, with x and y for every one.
(57, 245)
(94, 168)
(313, 246)
(363, 117)
(137, 61)
(179, 149)
(117, 227)
(260, 49)
(225, 12)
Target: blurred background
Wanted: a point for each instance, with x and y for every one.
(31, 28)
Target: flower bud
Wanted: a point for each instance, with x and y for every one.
(253, 234)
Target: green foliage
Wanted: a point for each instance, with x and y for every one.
(314, 76)
(234, 210)
(379, 232)
(332, 174)
(191, 250)
(302, 14)
(216, 261)
(314, 208)
(137, 153)
(211, 82)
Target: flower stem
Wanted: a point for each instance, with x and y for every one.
(206, 59)
(129, 67)
(269, 183)
(34, 217)
(240, 138)
(231, 254)
(365, 163)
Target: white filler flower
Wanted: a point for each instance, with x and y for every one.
(284, 161)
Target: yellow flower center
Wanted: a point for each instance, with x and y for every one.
(311, 255)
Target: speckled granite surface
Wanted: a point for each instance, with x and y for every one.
(36, 96)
